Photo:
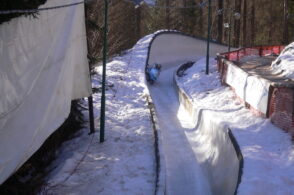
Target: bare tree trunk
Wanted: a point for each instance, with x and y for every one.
(237, 25)
(138, 22)
(201, 22)
(270, 25)
(220, 21)
(167, 14)
(185, 19)
(252, 24)
(244, 23)
(285, 23)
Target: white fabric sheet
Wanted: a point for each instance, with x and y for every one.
(43, 67)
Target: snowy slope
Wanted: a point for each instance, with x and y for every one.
(125, 162)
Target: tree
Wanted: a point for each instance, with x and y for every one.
(252, 24)
(167, 14)
(237, 25)
(244, 14)
(220, 21)
(285, 23)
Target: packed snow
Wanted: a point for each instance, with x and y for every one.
(125, 162)
(285, 62)
(267, 150)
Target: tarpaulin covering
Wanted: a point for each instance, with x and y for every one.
(43, 67)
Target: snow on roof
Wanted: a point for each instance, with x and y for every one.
(285, 62)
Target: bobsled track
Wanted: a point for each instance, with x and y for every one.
(208, 164)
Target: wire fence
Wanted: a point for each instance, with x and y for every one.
(26, 11)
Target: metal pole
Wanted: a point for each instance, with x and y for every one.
(91, 114)
(102, 116)
(90, 98)
(208, 36)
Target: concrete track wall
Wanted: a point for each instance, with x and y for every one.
(215, 147)
(171, 48)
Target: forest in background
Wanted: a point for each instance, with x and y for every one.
(259, 22)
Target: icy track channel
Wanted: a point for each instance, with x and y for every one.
(206, 164)
(183, 174)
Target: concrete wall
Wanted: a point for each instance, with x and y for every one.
(173, 48)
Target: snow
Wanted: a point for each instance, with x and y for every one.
(196, 81)
(285, 62)
(149, 2)
(267, 150)
(125, 162)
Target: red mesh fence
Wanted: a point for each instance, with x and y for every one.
(259, 51)
(281, 108)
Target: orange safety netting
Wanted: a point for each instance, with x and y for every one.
(259, 51)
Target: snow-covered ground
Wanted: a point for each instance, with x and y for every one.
(125, 162)
(267, 150)
(284, 62)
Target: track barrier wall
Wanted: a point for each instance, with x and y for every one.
(276, 101)
(216, 148)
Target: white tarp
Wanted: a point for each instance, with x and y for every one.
(252, 89)
(43, 67)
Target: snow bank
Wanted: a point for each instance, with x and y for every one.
(125, 162)
(285, 62)
(267, 151)
(207, 83)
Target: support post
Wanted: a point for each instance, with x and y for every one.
(91, 114)
(208, 36)
(102, 115)
(90, 98)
